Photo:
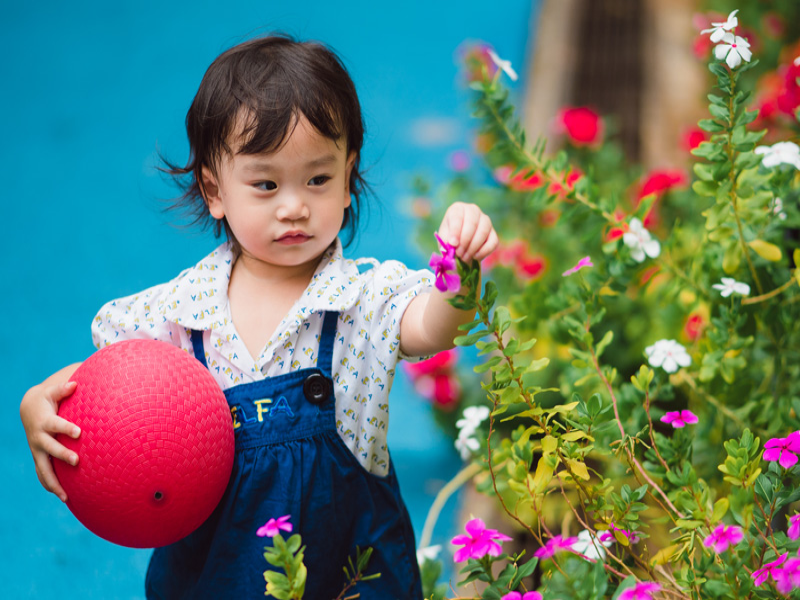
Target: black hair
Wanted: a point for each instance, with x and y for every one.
(270, 81)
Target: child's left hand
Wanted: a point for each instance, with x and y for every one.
(466, 227)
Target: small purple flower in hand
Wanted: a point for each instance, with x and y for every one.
(478, 542)
(274, 526)
(680, 418)
(555, 545)
(444, 266)
(586, 261)
(723, 536)
(783, 450)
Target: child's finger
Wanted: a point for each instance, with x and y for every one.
(59, 392)
(56, 424)
(483, 228)
(47, 477)
(469, 228)
(57, 450)
(450, 230)
(489, 247)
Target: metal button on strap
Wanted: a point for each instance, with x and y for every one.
(316, 388)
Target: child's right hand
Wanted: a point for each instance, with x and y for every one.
(39, 413)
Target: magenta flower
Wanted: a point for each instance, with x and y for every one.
(525, 596)
(586, 261)
(555, 545)
(788, 577)
(794, 527)
(723, 536)
(680, 418)
(770, 569)
(608, 536)
(643, 590)
(478, 542)
(783, 449)
(274, 526)
(444, 266)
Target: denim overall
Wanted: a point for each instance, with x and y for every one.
(290, 460)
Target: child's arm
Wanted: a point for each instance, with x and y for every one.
(39, 413)
(430, 323)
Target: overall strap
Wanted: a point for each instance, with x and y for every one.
(326, 339)
(197, 345)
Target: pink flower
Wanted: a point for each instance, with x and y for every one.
(680, 419)
(555, 545)
(442, 361)
(478, 542)
(608, 536)
(643, 590)
(525, 596)
(783, 450)
(788, 577)
(769, 569)
(723, 536)
(444, 266)
(586, 261)
(273, 527)
(583, 126)
(794, 527)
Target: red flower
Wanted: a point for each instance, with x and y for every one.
(621, 228)
(526, 181)
(438, 362)
(446, 391)
(660, 181)
(583, 126)
(531, 267)
(693, 137)
(695, 323)
(549, 217)
(569, 183)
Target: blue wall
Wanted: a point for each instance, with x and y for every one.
(90, 91)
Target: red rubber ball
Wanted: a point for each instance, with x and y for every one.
(156, 445)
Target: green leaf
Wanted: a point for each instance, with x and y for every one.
(720, 112)
(710, 125)
(601, 345)
(468, 340)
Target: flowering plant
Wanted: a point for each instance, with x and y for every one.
(642, 403)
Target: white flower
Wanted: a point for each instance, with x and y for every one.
(504, 65)
(777, 208)
(466, 445)
(731, 286)
(667, 354)
(639, 240)
(782, 153)
(428, 553)
(472, 419)
(718, 29)
(797, 62)
(734, 50)
(590, 547)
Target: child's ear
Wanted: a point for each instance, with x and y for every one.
(351, 161)
(211, 193)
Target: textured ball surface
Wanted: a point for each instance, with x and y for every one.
(156, 445)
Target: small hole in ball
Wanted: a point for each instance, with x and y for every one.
(158, 495)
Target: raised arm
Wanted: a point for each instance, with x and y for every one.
(430, 323)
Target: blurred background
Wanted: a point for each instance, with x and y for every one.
(93, 91)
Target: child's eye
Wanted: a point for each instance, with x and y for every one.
(319, 180)
(266, 185)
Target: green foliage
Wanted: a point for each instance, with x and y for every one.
(568, 368)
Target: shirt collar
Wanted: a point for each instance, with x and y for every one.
(198, 298)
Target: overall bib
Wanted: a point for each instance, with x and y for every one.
(290, 460)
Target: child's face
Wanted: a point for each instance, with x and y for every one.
(284, 207)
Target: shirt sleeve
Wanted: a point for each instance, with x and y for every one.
(137, 317)
(387, 293)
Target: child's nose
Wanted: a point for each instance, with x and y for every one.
(292, 207)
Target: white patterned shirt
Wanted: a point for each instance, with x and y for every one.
(365, 353)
